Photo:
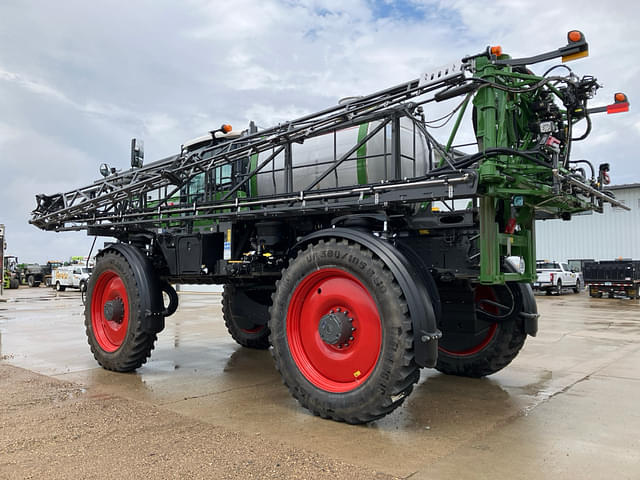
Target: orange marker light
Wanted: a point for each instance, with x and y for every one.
(497, 50)
(620, 97)
(226, 128)
(575, 36)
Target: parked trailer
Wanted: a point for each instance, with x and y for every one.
(324, 234)
(612, 277)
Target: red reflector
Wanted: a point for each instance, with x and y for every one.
(618, 107)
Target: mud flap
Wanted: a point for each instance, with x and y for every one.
(423, 317)
(150, 287)
(529, 314)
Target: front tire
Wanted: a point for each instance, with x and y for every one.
(114, 316)
(246, 315)
(559, 287)
(341, 333)
(60, 288)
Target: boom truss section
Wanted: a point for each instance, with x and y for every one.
(120, 200)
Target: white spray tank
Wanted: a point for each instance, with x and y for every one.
(371, 163)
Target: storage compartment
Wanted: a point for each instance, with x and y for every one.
(199, 251)
(190, 254)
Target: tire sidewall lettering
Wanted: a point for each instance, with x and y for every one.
(367, 272)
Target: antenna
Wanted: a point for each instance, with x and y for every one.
(137, 153)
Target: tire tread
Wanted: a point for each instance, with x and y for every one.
(138, 343)
(258, 340)
(399, 370)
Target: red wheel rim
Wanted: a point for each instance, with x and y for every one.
(483, 292)
(109, 333)
(330, 367)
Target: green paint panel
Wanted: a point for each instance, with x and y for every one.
(253, 183)
(361, 161)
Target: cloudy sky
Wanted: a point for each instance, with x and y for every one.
(79, 79)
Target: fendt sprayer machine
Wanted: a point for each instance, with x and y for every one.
(350, 241)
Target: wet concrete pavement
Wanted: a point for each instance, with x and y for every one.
(565, 408)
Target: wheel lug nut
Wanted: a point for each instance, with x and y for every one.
(350, 338)
(330, 311)
(338, 309)
(351, 320)
(353, 329)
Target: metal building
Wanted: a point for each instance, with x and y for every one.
(607, 236)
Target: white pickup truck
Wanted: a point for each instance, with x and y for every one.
(73, 276)
(554, 276)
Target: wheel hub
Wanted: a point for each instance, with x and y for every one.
(335, 328)
(114, 310)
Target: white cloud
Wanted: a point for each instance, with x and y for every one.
(33, 86)
(80, 79)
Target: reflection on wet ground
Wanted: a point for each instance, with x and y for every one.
(584, 362)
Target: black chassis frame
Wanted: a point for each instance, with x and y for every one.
(425, 252)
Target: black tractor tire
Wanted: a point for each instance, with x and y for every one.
(83, 286)
(577, 287)
(249, 327)
(121, 345)
(60, 288)
(559, 287)
(14, 283)
(334, 292)
(31, 281)
(496, 343)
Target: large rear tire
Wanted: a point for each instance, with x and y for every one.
(341, 333)
(114, 316)
(498, 337)
(246, 315)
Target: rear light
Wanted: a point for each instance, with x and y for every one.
(551, 275)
